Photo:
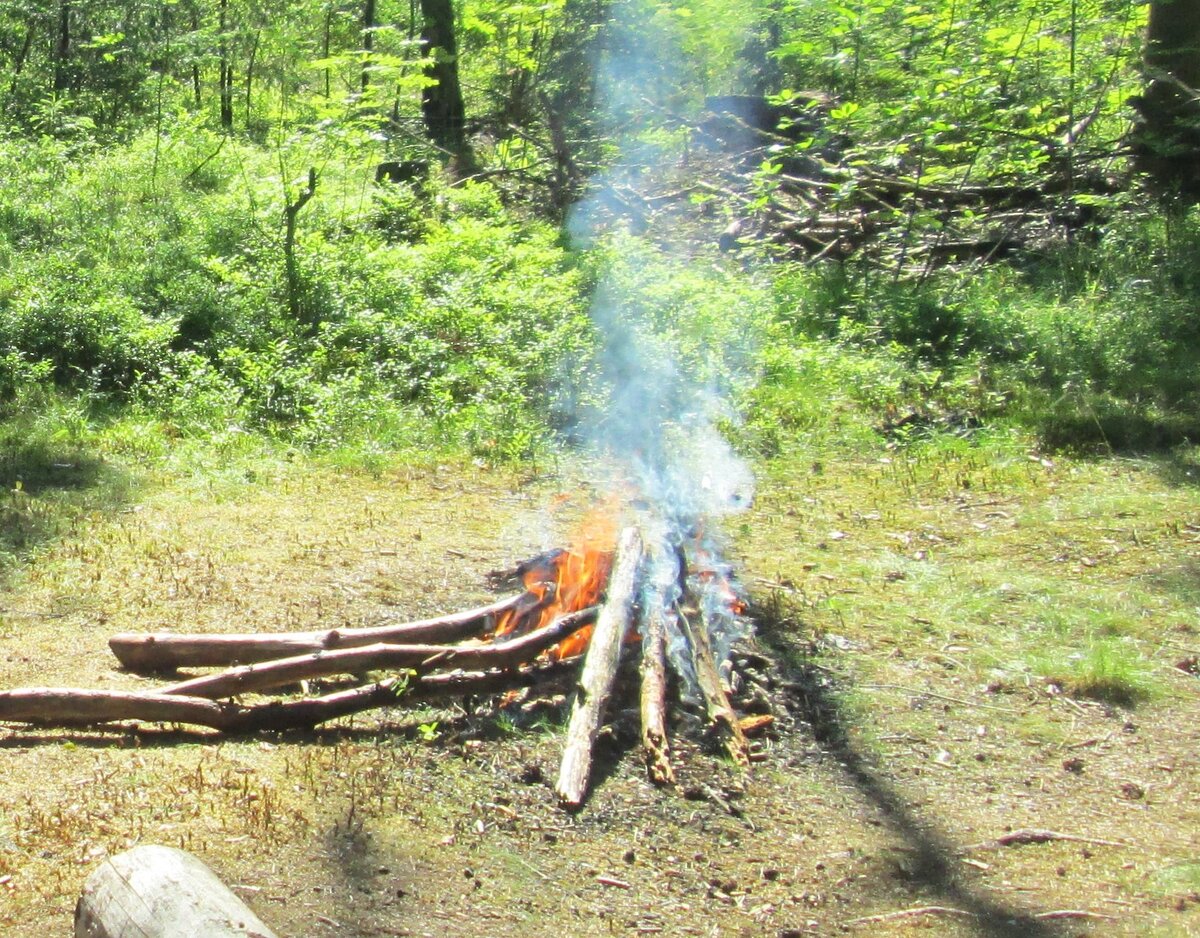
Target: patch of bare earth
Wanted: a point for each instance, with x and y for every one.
(899, 795)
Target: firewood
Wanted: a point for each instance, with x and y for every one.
(270, 674)
(599, 670)
(656, 747)
(72, 707)
(166, 651)
(161, 892)
(722, 721)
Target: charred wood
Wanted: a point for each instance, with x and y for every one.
(722, 721)
(656, 747)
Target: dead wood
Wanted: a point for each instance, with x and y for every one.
(165, 651)
(72, 706)
(722, 721)
(1036, 835)
(655, 744)
(271, 674)
(161, 892)
(599, 670)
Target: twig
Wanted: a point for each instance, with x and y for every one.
(929, 693)
(1035, 835)
(1073, 913)
(911, 913)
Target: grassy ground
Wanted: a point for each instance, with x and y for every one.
(975, 639)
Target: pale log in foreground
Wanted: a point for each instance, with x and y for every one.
(599, 670)
(161, 892)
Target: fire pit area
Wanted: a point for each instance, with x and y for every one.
(636, 616)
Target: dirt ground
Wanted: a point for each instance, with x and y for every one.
(876, 810)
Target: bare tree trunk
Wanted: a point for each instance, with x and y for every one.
(195, 63)
(225, 70)
(250, 73)
(368, 39)
(442, 101)
(291, 271)
(1167, 140)
(325, 47)
(62, 47)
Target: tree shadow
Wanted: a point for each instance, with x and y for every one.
(815, 703)
(43, 482)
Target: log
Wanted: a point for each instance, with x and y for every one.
(161, 892)
(599, 671)
(271, 674)
(722, 721)
(655, 745)
(168, 651)
(72, 707)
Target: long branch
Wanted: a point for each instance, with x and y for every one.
(270, 674)
(167, 651)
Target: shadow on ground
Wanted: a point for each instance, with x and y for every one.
(816, 704)
(42, 483)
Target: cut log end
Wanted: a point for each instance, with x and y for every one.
(161, 892)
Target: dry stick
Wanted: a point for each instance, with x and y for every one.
(911, 913)
(166, 651)
(657, 748)
(722, 721)
(599, 671)
(1037, 835)
(270, 674)
(74, 707)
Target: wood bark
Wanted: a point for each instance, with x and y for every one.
(72, 707)
(1167, 140)
(655, 745)
(166, 651)
(272, 674)
(599, 671)
(441, 100)
(722, 721)
(161, 892)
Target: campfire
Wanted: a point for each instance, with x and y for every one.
(664, 601)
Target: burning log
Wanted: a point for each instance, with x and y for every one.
(166, 651)
(655, 745)
(722, 721)
(599, 671)
(271, 674)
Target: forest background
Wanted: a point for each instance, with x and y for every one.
(193, 244)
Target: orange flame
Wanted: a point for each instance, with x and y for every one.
(565, 581)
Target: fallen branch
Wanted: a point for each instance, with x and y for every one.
(599, 671)
(167, 651)
(267, 675)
